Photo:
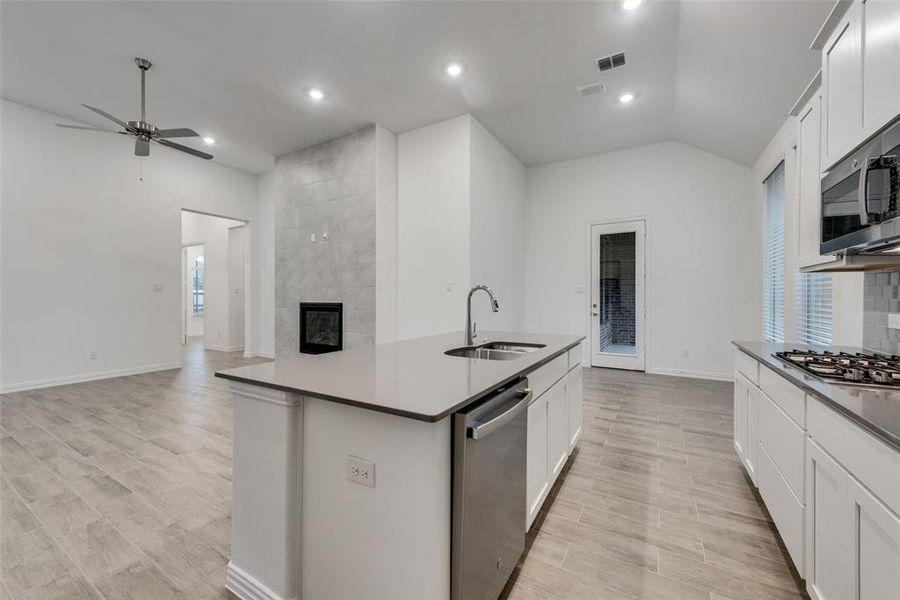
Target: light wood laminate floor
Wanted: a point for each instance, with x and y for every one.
(654, 504)
(120, 489)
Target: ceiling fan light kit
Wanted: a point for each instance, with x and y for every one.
(141, 130)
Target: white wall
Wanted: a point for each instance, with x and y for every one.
(496, 223)
(263, 272)
(433, 222)
(194, 323)
(85, 242)
(386, 232)
(702, 253)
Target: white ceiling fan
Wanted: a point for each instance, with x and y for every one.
(142, 131)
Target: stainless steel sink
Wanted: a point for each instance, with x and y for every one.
(495, 350)
(484, 353)
(512, 346)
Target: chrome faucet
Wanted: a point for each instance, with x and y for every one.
(495, 307)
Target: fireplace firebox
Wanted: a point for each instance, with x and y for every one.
(321, 327)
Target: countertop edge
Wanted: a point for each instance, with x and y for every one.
(428, 418)
(786, 374)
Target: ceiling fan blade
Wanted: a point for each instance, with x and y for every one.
(176, 133)
(103, 113)
(175, 146)
(85, 128)
(141, 147)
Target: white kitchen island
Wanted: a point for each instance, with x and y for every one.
(301, 528)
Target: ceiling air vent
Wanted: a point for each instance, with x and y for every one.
(613, 61)
(590, 90)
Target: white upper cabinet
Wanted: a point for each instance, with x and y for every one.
(842, 82)
(860, 77)
(880, 51)
(809, 198)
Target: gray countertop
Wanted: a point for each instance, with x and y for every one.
(875, 409)
(411, 378)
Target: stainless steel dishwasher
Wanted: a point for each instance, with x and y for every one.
(489, 492)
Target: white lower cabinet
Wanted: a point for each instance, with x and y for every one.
(557, 428)
(853, 539)
(832, 488)
(554, 426)
(745, 422)
(536, 471)
(574, 404)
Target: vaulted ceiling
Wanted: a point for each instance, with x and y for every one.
(720, 75)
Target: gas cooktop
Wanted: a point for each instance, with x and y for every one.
(879, 370)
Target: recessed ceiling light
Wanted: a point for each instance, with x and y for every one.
(626, 98)
(454, 69)
(631, 4)
(315, 94)
(209, 141)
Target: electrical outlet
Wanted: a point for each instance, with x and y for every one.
(93, 354)
(361, 471)
(894, 320)
(157, 287)
(685, 353)
(449, 286)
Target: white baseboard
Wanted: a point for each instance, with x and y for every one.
(246, 587)
(248, 354)
(224, 348)
(8, 388)
(692, 374)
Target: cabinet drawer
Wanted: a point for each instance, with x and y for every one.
(787, 396)
(784, 442)
(875, 464)
(544, 377)
(786, 510)
(574, 357)
(747, 365)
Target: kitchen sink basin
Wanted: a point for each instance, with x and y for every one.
(512, 346)
(495, 351)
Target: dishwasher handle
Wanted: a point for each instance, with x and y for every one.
(483, 430)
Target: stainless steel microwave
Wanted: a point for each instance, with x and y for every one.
(859, 198)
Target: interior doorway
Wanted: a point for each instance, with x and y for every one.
(216, 275)
(618, 288)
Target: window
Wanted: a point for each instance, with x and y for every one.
(197, 292)
(773, 257)
(814, 308)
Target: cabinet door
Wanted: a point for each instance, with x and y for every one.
(880, 51)
(875, 544)
(574, 405)
(809, 170)
(740, 414)
(842, 84)
(536, 471)
(827, 527)
(751, 452)
(557, 428)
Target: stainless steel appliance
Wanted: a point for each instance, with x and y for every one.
(489, 492)
(859, 368)
(859, 198)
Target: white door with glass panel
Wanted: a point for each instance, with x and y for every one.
(617, 295)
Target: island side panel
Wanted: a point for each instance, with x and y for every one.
(265, 538)
(385, 542)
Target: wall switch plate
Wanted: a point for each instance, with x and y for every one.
(157, 287)
(449, 286)
(93, 354)
(312, 237)
(361, 471)
(894, 320)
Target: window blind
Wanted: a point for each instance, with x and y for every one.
(814, 308)
(773, 257)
